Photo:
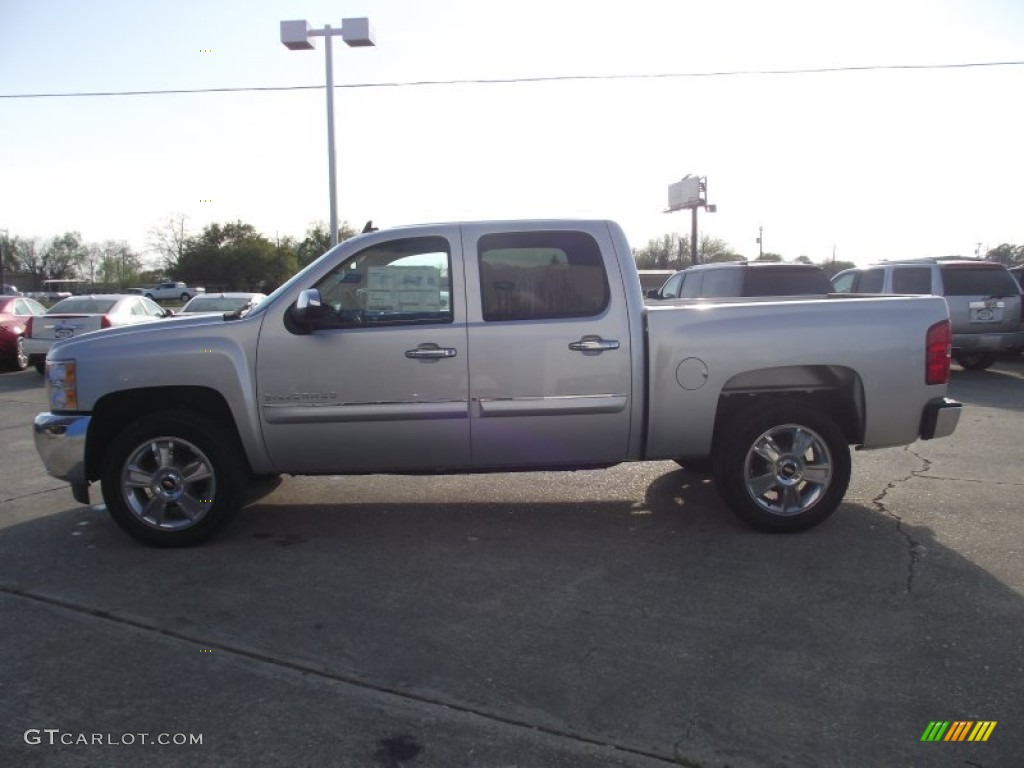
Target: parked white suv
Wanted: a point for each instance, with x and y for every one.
(984, 300)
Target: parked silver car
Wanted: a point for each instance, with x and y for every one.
(76, 315)
(984, 300)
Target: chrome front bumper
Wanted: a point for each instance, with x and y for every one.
(60, 441)
(940, 418)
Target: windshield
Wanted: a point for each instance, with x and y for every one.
(297, 277)
(83, 305)
(978, 281)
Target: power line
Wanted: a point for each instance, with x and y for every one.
(539, 79)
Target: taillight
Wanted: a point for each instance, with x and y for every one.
(938, 345)
(28, 327)
(104, 322)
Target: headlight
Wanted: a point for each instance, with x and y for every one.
(61, 384)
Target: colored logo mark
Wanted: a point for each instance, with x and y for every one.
(959, 730)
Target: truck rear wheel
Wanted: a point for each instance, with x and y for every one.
(172, 479)
(975, 361)
(782, 467)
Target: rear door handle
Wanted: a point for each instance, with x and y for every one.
(430, 352)
(593, 344)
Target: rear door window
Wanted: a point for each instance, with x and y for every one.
(722, 283)
(912, 280)
(785, 281)
(534, 275)
(692, 284)
(871, 281)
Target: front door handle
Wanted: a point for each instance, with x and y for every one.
(593, 344)
(430, 352)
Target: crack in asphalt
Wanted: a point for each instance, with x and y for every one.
(913, 545)
(34, 493)
(1009, 483)
(337, 677)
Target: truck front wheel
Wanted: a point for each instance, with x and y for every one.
(782, 467)
(172, 480)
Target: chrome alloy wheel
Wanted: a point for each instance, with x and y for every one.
(20, 355)
(787, 469)
(168, 483)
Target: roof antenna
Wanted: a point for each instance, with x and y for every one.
(369, 227)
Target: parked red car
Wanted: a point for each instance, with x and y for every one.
(14, 313)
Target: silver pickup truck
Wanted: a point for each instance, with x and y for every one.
(490, 346)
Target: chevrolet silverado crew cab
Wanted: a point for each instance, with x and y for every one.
(490, 347)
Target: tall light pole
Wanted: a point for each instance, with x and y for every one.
(297, 36)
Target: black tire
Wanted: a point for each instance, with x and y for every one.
(702, 466)
(150, 297)
(975, 361)
(260, 486)
(773, 482)
(40, 365)
(189, 479)
(184, 297)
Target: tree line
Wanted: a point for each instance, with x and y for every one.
(223, 256)
(236, 256)
(66, 257)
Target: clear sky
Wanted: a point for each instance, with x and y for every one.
(877, 164)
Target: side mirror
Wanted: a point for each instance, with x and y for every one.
(307, 311)
(653, 294)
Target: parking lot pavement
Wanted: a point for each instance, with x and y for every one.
(617, 617)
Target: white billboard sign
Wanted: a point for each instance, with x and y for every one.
(685, 193)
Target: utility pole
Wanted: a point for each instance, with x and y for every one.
(693, 235)
(760, 244)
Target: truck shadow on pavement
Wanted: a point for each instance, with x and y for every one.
(660, 624)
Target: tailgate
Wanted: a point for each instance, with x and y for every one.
(983, 314)
(983, 297)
